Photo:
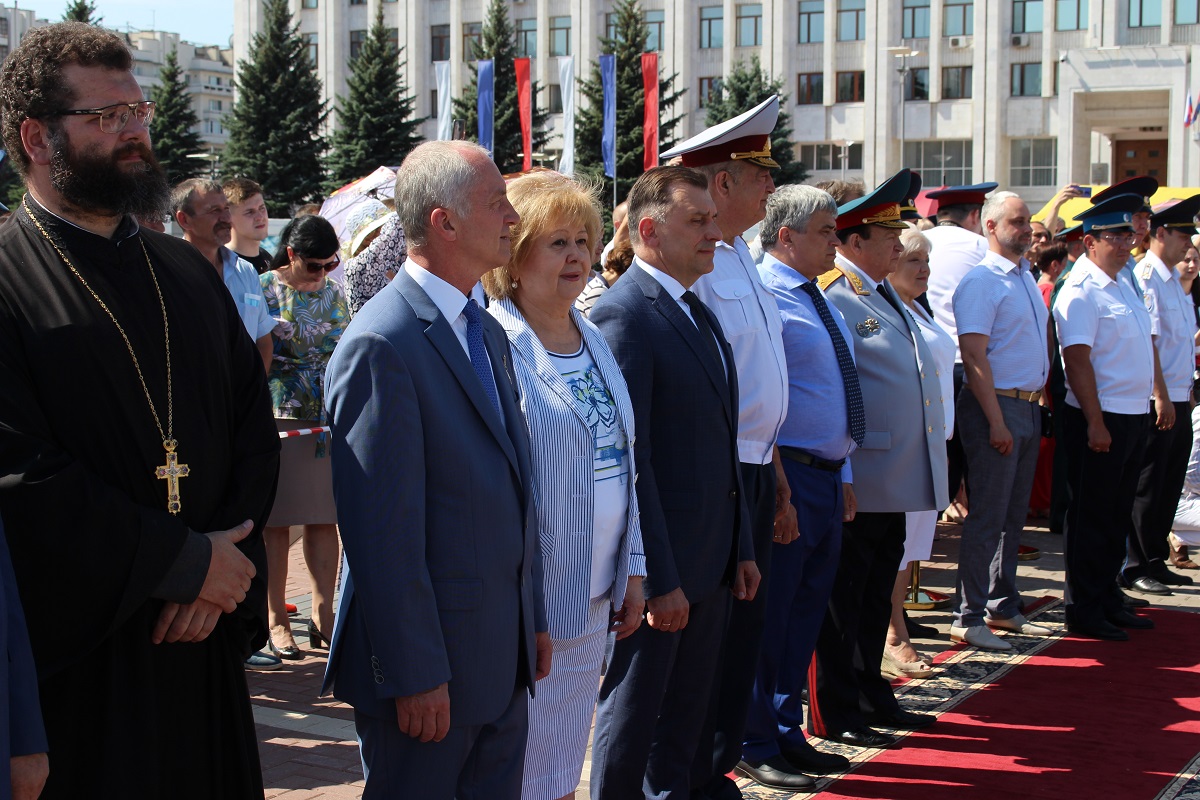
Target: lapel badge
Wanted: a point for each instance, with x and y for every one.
(867, 327)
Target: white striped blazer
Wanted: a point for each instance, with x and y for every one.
(563, 476)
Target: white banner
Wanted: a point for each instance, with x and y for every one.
(445, 110)
(566, 82)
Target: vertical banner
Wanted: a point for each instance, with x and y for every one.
(445, 110)
(486, 106)
(525, 110)
(650, 126)
(608, 139)
(566, 85)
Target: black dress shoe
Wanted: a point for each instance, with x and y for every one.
(905, 720)
(1127, 619)
(863, 737)
(804, 695)
(776, 773)
(1133, 602)
(807, 758)
(1169, 578)
(1098, 630)
(1145, 585)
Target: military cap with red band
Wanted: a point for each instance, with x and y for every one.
(972, 195)
(880, 207)
(746, 137)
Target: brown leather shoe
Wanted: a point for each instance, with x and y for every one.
(1179, 554)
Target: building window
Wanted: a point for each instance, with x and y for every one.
(1071, 15)
(916, 83)
(712, 27)
(310, 42)
(356, 42)
(1145, 13)
(4, 26)
(358, 2)
(560, 36)
(439, 42)
(958, 18)
(1187, 12)
(708, 86)
(393, 35)
(850, 87)
(749, 25)
(610, 27)
(1034, 162)
(828, 156)
(654, 30)
(215, 105)
(942, 162)
(812, 21)
(852, 20)
(527, 38)
(433, 103)
(472, 38)
(1027, 16)
(554, 98)
(1027, 80)
(956, 83)
(3, 51)
(810, 88)
(308, 3)
(914, 19)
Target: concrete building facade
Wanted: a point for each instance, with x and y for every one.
(1033, 94)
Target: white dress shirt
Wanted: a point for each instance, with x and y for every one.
(1108, 316)
(750, 318)
(676, 289)
(953, 252)
(1000, 300)
(1172, 323)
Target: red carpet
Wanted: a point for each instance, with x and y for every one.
(1078, 719)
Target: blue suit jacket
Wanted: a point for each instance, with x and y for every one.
(21, 729)
(689, 485)
(442, 581)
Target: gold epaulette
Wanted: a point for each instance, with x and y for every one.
(1146, 270)
(827, 279)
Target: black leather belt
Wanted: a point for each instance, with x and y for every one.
(796, 454)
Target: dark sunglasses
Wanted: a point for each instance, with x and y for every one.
(327, 266)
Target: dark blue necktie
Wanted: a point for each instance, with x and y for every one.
(854, 402)
(479, 356)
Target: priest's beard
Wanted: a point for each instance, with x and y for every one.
(96, 183)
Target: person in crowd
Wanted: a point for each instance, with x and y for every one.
(1041, 236)
(1111, 369)
(154, 220)
(911, 281)
(1049, 260)
(682, 380)
(620, 216)
(150, 503)
(1164, 462)
(618, 261)
(581, 429)
(823, 426)
(900, 467)
(735, 156)
(248, 214)
(375, 253)
(1185, 531)
(310, 314)
(1187, 269)
(1002, 325)
(956, 247)
(843, 192)
(1051, 220)
(441, 629)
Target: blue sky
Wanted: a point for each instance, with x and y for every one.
(197, 21)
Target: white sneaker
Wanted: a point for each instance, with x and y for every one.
(1018, 624)
(979, 636)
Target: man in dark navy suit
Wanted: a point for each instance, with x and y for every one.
(683, 385)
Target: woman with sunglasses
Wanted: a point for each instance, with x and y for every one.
(312, 313)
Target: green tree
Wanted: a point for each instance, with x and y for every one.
(375, 123)
(499, 43)
(175, 122)
(275, 127)
(628, 46)
(743, 89)
(81, 11)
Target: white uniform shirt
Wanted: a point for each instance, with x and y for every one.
(750, 318)
(1000, 300)
(1173, 324)
(953, 252)
(1108, 316)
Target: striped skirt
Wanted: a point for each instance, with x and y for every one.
(560, 716)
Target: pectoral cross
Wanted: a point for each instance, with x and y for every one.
(171, 472)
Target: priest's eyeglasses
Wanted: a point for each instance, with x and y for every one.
(114, 118)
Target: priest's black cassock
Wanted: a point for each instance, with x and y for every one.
(94, 548)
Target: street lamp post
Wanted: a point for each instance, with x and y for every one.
(902, 53)
(212, 157)
(846, 145)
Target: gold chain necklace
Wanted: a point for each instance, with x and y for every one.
(172, 471)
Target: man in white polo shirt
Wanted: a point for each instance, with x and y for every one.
(1002, 334)
(1110, 364)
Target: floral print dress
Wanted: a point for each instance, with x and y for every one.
(308, 327)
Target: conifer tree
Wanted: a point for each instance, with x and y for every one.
(81, 11)
(275, 128)
(628, 45)
(375, 122)
(499, 43)
(175, 134)
(743, 89)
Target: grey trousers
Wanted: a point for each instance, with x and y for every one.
(1000, 486)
